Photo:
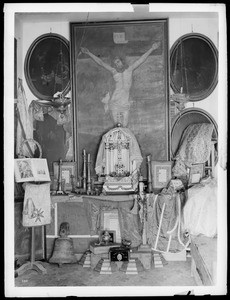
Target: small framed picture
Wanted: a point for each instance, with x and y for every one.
(110, 222)
(196, 173)
(31, 169)
(161, 173)
(68, 174)
(112, 234)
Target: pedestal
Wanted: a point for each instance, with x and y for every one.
(144, 247)
(100, 249)
(144, 256)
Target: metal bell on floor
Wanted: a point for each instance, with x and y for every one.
(63, 251)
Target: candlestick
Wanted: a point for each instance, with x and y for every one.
(84, 170)
(150, 187)
(89, 178)
(59, 189)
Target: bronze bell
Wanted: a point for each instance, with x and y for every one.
(63, 251)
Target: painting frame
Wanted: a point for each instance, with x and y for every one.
(112, 234)
(47, 66)
(195, 173)
(31, 170)
(161, 172)
(194, 66)
(90, 84)
(68, 169)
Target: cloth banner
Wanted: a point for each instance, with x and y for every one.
(37, 205)
(25, 127)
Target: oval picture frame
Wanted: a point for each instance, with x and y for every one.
(47, 66)
(194, 66)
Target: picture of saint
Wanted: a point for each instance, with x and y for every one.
(25, 169)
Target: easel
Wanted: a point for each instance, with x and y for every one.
(32, 264)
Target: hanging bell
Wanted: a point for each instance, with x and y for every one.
(63, 251)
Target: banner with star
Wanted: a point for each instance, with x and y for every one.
(37, 205)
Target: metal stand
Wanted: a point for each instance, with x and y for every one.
(32, 265)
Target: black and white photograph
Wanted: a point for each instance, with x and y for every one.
(115, 149)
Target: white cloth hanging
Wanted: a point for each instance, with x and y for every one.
(26, 118)
(37, 205)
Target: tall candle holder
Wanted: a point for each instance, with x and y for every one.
(84, 179)
(59, 189)
(150, 187)
(143, 203)
(89, 188)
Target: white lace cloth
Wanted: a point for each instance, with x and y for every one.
(200, 210)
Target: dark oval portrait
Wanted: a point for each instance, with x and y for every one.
(194, 66)
(47, 67)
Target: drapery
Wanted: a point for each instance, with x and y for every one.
(25, 118)
(134, 149)
(129, 221)
(200, 211)
(37, 110)
(164, 232)
(195, 147)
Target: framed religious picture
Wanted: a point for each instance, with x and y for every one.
(111, 235)
(196, 173)
(194, 66)
(31, 169)
(110, 222)
(161, 173)
(68, 175)
(120, 76)
(47, 68)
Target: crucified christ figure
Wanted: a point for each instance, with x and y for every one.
(119, 102)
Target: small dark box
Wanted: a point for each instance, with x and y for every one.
(119, 254)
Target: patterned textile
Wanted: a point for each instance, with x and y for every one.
(163, 222)
(37, 205)
(129, 222)
(135, 153)
(195, 147)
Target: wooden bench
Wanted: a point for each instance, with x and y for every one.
(204, 256)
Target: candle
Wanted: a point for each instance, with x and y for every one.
(88, 156)
(83, 151)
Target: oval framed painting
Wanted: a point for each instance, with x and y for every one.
(47, 66)
(194, 66)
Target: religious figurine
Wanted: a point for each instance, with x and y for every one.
(106, 237)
